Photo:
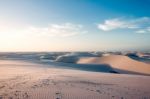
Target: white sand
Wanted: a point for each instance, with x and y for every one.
(23, 80)
(120, 63)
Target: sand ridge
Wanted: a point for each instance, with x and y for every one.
(119, 63)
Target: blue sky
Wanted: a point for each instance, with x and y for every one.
(74, 25)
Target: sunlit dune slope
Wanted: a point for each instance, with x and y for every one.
(120, 63)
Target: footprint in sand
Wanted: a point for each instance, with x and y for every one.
(2, 87)
(58, 95)
(10, 98)
(98, 91)
(26, 95)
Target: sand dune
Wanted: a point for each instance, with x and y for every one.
(23, 80)
(119, 63)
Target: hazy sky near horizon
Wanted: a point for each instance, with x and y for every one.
(74, 25)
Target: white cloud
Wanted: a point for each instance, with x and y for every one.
(110, 25)
(140, 31)
(116, 24)
(59, 30)
(62, 30)
(138, 25)
(143, 31)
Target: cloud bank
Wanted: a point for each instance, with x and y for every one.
(62, 30)
(138, 25)
(58, 30)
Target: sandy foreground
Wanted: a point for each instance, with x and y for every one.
(24, 80)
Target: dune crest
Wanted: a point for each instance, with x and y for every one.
(120, 63)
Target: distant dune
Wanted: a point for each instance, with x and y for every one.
(120, 63)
